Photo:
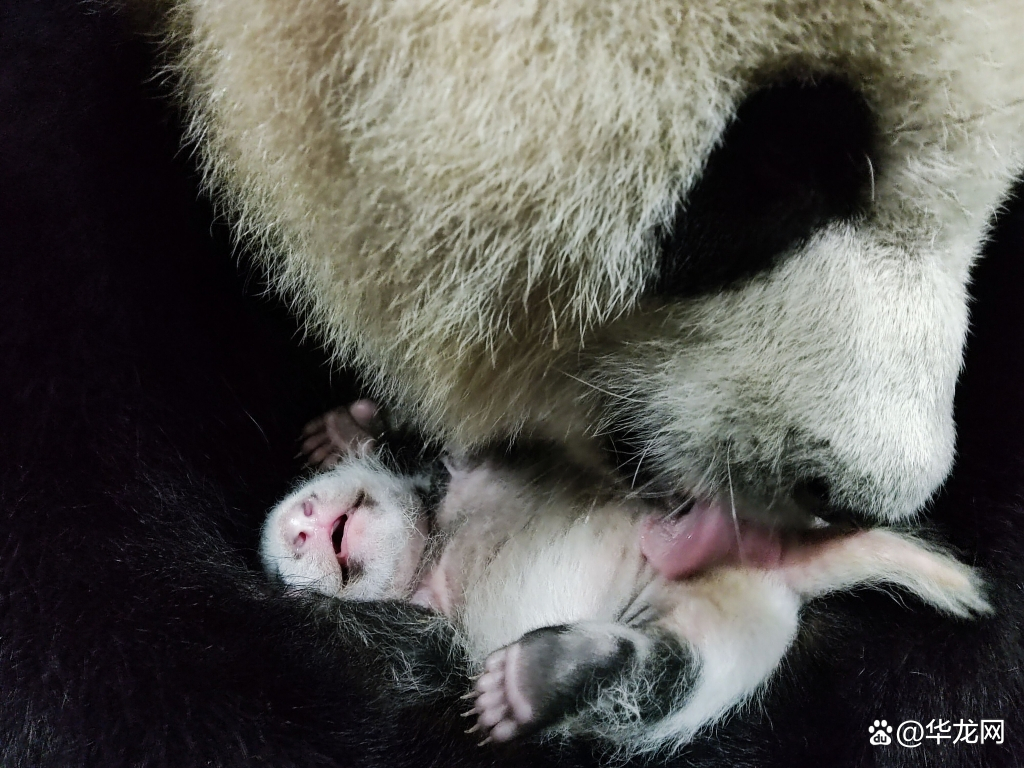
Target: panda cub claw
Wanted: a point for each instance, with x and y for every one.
(503, 705)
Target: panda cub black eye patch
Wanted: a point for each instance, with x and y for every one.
(796, 156)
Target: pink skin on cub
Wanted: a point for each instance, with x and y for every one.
(706, 536)
(677, 547)
(315, 527)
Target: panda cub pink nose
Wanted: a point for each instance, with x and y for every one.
(311, 525)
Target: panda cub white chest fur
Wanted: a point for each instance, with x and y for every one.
(561, 590)
(502, 538)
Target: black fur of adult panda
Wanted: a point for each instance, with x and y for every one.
(580, 609)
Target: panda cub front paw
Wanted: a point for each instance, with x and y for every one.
(353, 429)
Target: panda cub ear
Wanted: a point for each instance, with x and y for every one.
(796, 156)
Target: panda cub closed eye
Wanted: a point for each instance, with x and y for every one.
(581, 609)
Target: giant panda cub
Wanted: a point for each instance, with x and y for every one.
(583, 608)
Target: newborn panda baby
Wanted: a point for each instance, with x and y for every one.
(582, 608)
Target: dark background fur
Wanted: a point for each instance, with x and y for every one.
(150, 400)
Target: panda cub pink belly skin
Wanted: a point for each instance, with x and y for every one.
(584, 610)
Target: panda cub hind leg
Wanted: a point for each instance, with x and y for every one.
(554, 673)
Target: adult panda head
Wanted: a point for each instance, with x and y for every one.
(734, 239)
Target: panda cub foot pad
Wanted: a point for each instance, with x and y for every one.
(549, 674)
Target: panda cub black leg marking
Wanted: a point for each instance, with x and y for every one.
(551, 673)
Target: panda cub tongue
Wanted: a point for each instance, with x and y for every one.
(706, 536)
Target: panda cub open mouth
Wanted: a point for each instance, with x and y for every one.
(341, 546)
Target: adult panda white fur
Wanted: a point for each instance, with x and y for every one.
(514, 219)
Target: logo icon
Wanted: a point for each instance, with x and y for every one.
(880, 733)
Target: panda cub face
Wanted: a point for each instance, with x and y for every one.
(356, 532)
(732, 243)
